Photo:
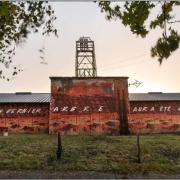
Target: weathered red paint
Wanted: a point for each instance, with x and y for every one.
(168, 107)
(86, 105)
(89, 106)
(157, 117)
(24, 117)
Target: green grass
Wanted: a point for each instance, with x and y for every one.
(160, 153)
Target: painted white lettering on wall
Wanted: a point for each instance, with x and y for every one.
(86, 108)
(21, 111)
(56, 109)
(38, 110)
(165, 109)
(64, 109)
(73, 108)
(76, 109)
(140, 109)
(152, 109)
(100, 109)
(162, 109)
(8, 111)
(135, 109)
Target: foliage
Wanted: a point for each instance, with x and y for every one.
(165, 46)
(17, 21)
(135, 15)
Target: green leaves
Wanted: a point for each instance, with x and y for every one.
(135, 14)
(18, 20)
(111, 12)
(165, 46)
(163, 16)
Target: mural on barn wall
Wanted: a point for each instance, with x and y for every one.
(86, 106)
(154, 116)
(23, 117)
(90, 106)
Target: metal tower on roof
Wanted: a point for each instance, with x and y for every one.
(85, 58)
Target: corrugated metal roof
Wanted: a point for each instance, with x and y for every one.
(84, 78)
(154, 96)
(24, 97)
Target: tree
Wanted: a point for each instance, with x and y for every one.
(135, 15)
(17, 21)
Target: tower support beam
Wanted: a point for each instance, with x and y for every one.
(85, 58)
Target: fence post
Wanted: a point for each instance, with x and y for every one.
(59, 147)
(138, 150)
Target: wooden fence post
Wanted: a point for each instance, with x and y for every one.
(138, 150)
(59, 147)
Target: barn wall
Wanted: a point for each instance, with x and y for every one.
(154, 117)
(87, 105)
(24, 117)
(91, 106)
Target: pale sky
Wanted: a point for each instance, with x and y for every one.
(118, 53)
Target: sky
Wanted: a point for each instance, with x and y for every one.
(118, 53)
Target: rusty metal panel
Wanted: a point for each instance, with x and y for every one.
(165, 107)
(154, 117)
(23, 110)
(22, 117)
(86, 105)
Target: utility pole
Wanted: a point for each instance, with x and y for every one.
(85, 58)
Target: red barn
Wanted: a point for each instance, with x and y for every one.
(154, 112)
(24, 112)
(89, 105)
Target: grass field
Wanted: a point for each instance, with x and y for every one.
(160, 153)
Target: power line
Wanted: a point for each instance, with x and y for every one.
(125, 60)
(132, 64)
(124, 65)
